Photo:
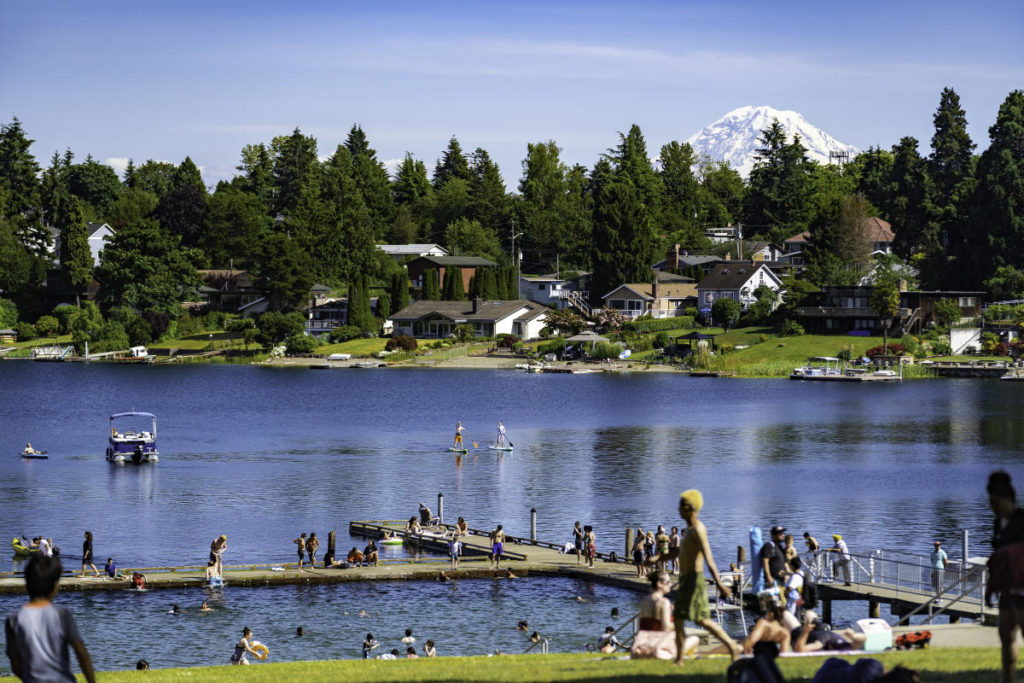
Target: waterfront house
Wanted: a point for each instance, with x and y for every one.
(681, 260)
(227, 289)
(467, 265)
(438, 319)
(400, 252)
(553, 290)
(657, 299)
(737, 280)
(848, 310)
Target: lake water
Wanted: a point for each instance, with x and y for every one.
(262, 454)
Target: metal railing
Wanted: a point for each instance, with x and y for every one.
(543, 642)
(908, 574)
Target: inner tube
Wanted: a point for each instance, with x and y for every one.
(262, 651)
(391, 541)
(20, 548)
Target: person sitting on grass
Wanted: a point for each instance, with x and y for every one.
(39, 634)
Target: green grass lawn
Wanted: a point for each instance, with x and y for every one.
(357, 347)
(196, 342)
(943, 665)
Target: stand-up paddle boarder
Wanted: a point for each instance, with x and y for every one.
(458, 436)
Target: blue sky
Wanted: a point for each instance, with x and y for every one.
(163, 80)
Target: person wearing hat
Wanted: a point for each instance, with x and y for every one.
(773, 559)
(843, 562)
(939, 562)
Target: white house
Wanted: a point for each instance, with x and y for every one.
(402, 251)
(736, 280)
(98, 233)
(438, 319)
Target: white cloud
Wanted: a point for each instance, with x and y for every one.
(119, 164)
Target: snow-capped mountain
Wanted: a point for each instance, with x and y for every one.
(734, 137)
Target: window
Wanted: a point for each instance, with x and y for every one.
(540, 287)
(966, 301)
(618, 304)
(634, 305)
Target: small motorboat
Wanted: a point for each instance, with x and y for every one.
(132, 446)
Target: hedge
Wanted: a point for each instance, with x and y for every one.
(684, 322)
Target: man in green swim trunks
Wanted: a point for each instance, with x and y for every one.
(691, 595)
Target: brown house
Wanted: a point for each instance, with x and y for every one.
(467, 264)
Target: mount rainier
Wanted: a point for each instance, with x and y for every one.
(734, 137)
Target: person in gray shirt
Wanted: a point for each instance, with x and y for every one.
(38, 635)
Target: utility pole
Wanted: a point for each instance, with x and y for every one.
(516, 261)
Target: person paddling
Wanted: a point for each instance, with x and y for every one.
(500, 442)
(458, 435)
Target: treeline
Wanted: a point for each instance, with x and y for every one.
(292, 219)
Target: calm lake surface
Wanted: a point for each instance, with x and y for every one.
(262, 454)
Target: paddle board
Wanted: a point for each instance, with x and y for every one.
(500, 448)
(459, 450)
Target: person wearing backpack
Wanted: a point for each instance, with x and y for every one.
(794, 587)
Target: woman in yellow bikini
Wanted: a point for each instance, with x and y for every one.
(458, 435)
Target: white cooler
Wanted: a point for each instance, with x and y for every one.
(878, 632)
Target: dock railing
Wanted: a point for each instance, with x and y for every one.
(909, 575)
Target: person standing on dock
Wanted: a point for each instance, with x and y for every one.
(813, 547)
(843, 563)
(217, 548)
(773, 559)
(691, 597)
(590, 542)
(301, 543)
(939, 562)
(577, 539)
(497, 545)
(458, 435)
(87, 560)
(500, 441)
(312, 544)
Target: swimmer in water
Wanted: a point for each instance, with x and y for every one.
(205, 607)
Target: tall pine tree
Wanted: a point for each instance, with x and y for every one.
(372, 180)
(620, 223)
(951, 172)
(295, 166)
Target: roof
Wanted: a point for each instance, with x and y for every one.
(732, 275)
(878, 230)
(666, 290)
(96, 227)
(464, 261)
(463, 310)
(227, 280)
(691, 260)
(805, 236)
(416, 249)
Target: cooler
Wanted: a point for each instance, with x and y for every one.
(878, 632)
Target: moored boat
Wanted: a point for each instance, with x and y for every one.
(132, 446)
(819, 367)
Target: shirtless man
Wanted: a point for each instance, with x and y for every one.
(691, 597)
(497, 545)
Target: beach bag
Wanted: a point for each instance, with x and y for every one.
(654, 645)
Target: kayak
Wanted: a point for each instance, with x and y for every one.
(20, 549)
(500, 448)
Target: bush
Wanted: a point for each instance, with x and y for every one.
(8, 313)
(941, 348)
(726, 348)
(555, 346)
(47, 325)
(344, 333)
(276, 327)
(508, 341)
(895, 349)
(401, 342)
(690, 312)
(650, 325)
(790, 328)
(1000, 349)
(660, 340)
(26, 332)
(65, 314)
(606, 351)
(911, 345)
(465, 332)
(139, 332)
(240, 325)
(300, 343)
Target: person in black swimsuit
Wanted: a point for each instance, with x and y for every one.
(577, 537)
(87, 555)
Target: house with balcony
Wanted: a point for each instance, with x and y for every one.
(658, 299)
(438, 319)
(737, 280)
(554, 290)
(847, 310)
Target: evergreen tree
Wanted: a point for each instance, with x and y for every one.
(839, 252)
(454, 288)
(237, 224)
(414, 201)
(918, 239)
(257, 169)
(465, 237)
(544, 196)
(501, 291)
(295, 166)
(399, 290)
(129, 180)
(951, 173)
(679, 211)
(188, 173)
(284, 273)
(487, 285)
(873, 171)
(474, 291)
(776, 205)
(579, 212)
(431, 285)
(383, 306)
(156, 177)
(451, 202)
(21, 272)
(632, 162)
(997, 205)
(722, 193)
(490, 204)
(452, 164)
(182, 212)
(76, 256)
(372, 181)
(621, 227)
(19, 188)
(512, 282)
(351, 225)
